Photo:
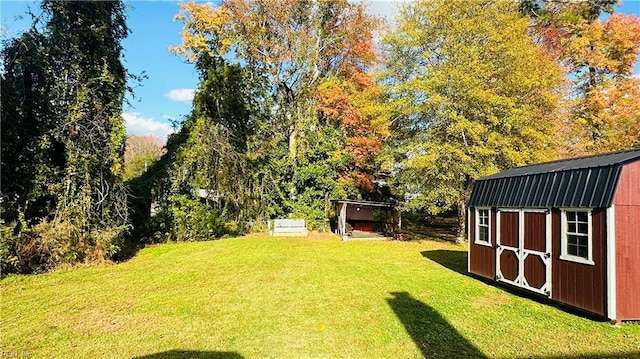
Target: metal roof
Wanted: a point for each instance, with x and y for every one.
(580, 182)
(364, 203)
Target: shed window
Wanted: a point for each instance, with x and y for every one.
(482, 226)
(576, 236)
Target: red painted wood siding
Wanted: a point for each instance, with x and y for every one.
(535, 271)
(509, 265)
(627, 219)
(482, 259)
(509, 229)
(509, 236)
(535, 238)
(576, 284)
(535, 231)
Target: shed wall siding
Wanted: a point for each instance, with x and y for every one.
(482, 259)
(535, 234)
(359, 213)
(576, 284)
(627, 223)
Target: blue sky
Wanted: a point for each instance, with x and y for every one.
(166, 94)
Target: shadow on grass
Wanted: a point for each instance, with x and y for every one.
(457, 262)
(453, 260)
(420, 226)
(436, 338)
(178, 354)
(431, 333)
(432, 232)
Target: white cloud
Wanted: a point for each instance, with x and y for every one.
(183, 95)
(138, 125)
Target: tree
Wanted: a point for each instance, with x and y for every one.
(26, 121)
(472, 95)
(91, 84)
(355, 102)
(599, 57)
(66, 85)
(289, 50)
(140, 153)
(214, 155)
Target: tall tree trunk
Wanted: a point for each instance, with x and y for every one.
(292, 144)
(461, 233)
(293, 152)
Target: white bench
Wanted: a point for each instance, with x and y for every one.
(288, 227)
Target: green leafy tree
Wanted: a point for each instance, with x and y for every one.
(27, 122)
(473, 94)
(90, 87)
(214, 156)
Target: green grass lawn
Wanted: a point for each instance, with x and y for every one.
(262, 297)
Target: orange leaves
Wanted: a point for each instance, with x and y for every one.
(352, 37)
(333, 101)
(600, 56)
(615, 115)
(611, 46)
(621, 42)
(364, 149)
(312, 59)
(353, 104)
(607, 106)
(555, 39)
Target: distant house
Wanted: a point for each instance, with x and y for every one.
(566, 230)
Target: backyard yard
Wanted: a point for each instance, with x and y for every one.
(312, 297)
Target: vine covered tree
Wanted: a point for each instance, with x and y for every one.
(472, 95)
(300, 59)
(67, 84)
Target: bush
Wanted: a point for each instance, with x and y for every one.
(194, 221)
(51, 244)
(187, 219)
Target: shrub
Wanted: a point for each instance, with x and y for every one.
(50, 244)
(194, 221)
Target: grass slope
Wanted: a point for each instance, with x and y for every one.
(261, 297)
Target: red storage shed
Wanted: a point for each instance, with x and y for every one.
(568, 230)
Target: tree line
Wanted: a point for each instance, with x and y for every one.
(300, 102)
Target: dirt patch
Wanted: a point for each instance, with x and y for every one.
(492, 300)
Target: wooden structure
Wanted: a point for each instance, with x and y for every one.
(366, 220)
(288, 227)
(566, 230)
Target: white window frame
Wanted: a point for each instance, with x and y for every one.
(563, 237)
(477, 239)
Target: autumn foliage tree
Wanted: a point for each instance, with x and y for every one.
(598, 53)
(472, 95)
(314, 124)
(140, 153)
(355, 102)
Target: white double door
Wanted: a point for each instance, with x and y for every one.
(523, 255)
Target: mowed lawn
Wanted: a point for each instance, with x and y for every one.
(315, 297)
